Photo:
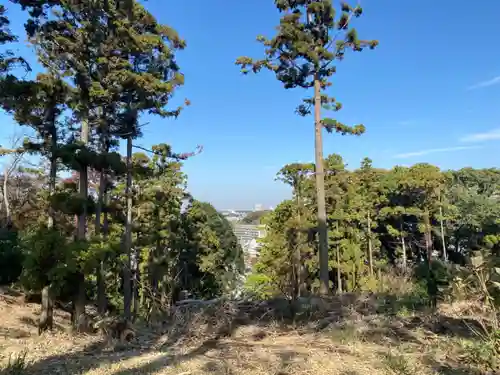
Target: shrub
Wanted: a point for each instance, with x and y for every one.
(11, 256)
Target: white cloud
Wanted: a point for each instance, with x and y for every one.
(433, 151)
(490, 82)
(482, 137)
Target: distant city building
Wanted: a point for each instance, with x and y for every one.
(258, 207)
(248, 237)
(234, 215)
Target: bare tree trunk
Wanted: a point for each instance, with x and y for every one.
(127, 292)
(403, 246)
(6, 194)
(370, 249)
(297, 255)
(101, 286)
(428, 236)
(320, 192)
(46, 320)
(135, 290)
(445, 254)
(52, 180)
(80, 297)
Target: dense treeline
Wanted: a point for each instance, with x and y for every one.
(85, 223)
(377, 219)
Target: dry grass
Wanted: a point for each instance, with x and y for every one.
(346, 337)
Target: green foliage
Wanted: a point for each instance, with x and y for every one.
(48, 258)
(483, 353)
(383, 211)
(11, 256)
(211, 258)
(259, 286)
(254, 217)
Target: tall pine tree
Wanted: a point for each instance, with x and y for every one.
(309, 39)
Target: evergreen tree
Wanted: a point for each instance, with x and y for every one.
(297, 175)
(7, 57)
(309, 40)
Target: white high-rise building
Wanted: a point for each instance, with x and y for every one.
(258, 207)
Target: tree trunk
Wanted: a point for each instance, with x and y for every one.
(79, 301)
(6, 194)
(101, 273)
(296, 254)
(46, 320)
(127, 290)
(445, 254)
(428, 236)
(135, 291)
(320, 192)
(47, 312)
(52, 177)
(370, 249)
(80, 296)
(403, 246)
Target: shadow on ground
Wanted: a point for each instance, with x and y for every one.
(211, 324)
(33, 323)
(13, 333)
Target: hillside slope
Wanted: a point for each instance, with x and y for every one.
(354, 341)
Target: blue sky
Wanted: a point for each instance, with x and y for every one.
(429, 93)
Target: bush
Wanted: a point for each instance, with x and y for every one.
(48, 259)
(259, 286)
(11, 257)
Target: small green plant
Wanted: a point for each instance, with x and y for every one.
(258, 286)
(484, 353)
(16, 365)
(345, 335)
(398, 364)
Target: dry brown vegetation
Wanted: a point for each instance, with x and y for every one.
(348, 335)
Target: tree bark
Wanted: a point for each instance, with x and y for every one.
(320, 192)
(6, 194)
(403, 246)
(80, 296)
(428, 236)
(79, 302)
(101, 277)
(52, 177)
(297, 255)
(46, 320)
(445, 253)
(127, 290)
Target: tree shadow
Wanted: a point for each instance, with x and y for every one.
(450, 368)
(214, 323)
(13, 333)
(33, 323)
(10, 292)
(449, 326)
(220, 361)
(90, 357)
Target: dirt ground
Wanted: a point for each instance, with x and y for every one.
(353, 344)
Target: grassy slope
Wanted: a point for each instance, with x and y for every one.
(350, 339)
